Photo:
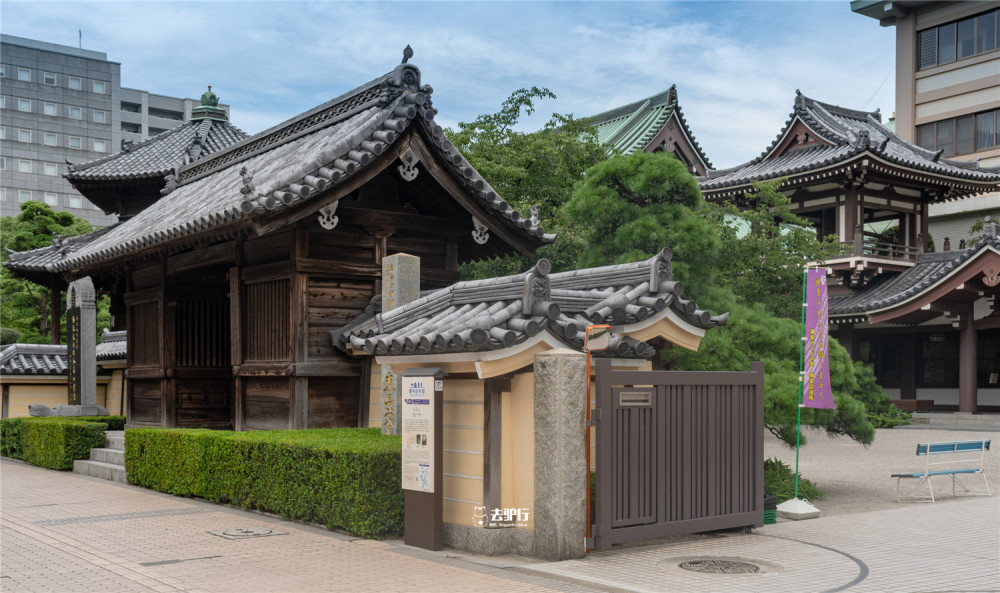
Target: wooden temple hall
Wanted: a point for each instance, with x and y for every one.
(927, 323)
(235, 256)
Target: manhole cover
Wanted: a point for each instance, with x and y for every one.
(720, 566)
(247, 533)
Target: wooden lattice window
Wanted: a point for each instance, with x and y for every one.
(202, 333)
(266, 321)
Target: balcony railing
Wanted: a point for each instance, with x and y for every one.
(865, 247)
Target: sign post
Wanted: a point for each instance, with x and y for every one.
(422, 419)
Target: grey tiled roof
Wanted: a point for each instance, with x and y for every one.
(630, 128)
(892, 288)
(33, 359)
(159, 155)
(851, 133)
(502, 312)
(295, 162)
(112, 346)
(37, 261)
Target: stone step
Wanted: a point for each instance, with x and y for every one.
(100, 469)
(115, 439)
(114, 456)
(956, 420)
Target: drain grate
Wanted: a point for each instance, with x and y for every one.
(720, 566)
(247, 533)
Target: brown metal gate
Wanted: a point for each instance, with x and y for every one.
(677, 452)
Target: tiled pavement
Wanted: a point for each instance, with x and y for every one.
(66, 532)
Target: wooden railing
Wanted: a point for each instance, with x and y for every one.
(863, 247)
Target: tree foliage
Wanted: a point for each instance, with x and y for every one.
(529, 169)
(628, 208)
(25, 306)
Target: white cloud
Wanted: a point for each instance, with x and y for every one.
(736, 65)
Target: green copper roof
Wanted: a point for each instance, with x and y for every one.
(630, 128)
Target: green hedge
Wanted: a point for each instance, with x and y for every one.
(346, 478)
(11, 433)
(51, 442)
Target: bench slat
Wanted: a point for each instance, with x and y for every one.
(937, 473)
(952, 447)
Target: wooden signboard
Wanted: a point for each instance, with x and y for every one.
(422, 417)
(74, 382)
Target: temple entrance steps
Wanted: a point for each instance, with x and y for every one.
(107, 462)
(955, 420)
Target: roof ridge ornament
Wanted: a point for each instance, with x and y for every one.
(480, 233)
(989, 229)
(407, 54)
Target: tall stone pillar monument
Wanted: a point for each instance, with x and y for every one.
(81, 339)
(400, 285)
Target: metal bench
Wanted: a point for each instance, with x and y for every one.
(971, 463)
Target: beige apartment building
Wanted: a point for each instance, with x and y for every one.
(948, 93)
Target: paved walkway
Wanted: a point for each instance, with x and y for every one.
(65, 532)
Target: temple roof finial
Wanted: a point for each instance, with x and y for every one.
(407, 54)
(209, 99)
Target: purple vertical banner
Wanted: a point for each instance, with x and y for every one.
(816, 391)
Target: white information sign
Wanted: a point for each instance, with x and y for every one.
(418, 433)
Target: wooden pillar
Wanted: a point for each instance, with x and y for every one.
(168, 350)
(298, 408)
(493, 391)
(850, 215)
(967, 355)
(56, 309)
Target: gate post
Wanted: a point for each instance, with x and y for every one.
(560, 455)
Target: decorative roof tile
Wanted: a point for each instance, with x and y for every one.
(33, 265)
(503, 312)
(848, 133)
(294, 163)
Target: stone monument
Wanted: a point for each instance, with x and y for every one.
(81, 340)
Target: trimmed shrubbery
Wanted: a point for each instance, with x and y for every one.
(50, 442)
(345, 478)
(779, 481)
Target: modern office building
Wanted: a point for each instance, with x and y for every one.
(61, 105)
(947, 92)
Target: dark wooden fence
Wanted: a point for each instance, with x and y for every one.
(677, 452)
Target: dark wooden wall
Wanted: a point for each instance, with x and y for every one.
(237, 334)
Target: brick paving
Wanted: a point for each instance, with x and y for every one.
(66, 532)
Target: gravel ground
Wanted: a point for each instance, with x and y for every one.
(856, 479)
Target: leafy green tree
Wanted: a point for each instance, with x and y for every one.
(529, 169)
(25, 306)
(628, 208)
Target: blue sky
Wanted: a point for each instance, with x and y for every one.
(736, 64)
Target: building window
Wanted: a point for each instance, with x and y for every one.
(49, 139)
(99, 87)
(156, 131)
(100, 145)
(131, 107)
(23, 166)
(75, 142)
(24, 195)
(24, 105)
(24, 75)
(958, 40)
(882, 355)
(75, 83)
(76, 113)
(3, 71)
(961, 135)
(940, 360)
(24, 135)
(131, 127)
(166, 114)
(3, 102)
(48, 78)
(51, 199)
(3, 194)
(50, 109)
(50, 169)
(3, 133)
(100, 117)
(75, 202)
(3, 163)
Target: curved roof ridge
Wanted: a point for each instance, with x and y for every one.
(661, 98)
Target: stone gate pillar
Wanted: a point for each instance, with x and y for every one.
(81, 338)
(400, 285)
(560, 454)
